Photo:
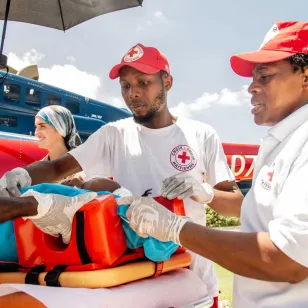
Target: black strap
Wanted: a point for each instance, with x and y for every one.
(6, 267)
(52, 277)
(80, 239)
(32, 276)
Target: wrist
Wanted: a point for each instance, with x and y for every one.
(28, 206)
(176, 228)
(209, 193)
(43, 202)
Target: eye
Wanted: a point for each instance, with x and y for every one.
(265, 78)
(143, 83)
(125, 86)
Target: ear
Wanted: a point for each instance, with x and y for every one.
(168, 82)
(305, 81)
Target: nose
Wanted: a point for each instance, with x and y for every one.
(134, 92)
(254, 87)
(37, 132)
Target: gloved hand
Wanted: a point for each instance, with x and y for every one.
(123, 192)
(14, 180)
(148, 217)
(186, 187)
(55, 212)
(4, 192)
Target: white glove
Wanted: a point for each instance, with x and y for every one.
(186, 187)
(148, 217)
(123, 192)
(55, 212)
(14, 180)
(4, 192)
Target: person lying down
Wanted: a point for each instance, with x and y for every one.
(51, 212)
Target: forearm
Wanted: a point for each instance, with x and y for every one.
(51, 171)
(101, 184)
(227, 203)
(251, 255)
(11, 208)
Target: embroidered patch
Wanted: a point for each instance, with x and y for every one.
(134, 54)
(266, 182)
(183, 158)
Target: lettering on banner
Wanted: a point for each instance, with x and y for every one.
(239, 164)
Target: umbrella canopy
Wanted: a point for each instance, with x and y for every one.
(61, 14)
(58, 14)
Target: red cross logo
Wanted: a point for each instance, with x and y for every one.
(132, 52)
(270, 174)
(184, 157)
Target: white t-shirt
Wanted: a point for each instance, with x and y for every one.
(140, 158)
(278, 203)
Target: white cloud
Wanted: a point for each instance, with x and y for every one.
(160, 16)
(71, 59)
(206, 100)
(72, 79)
(28, 58)
(157, 17)
(140, 28)
(67, 76)
(117, 102)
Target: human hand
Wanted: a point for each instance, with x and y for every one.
(148, 217)
(186, 187)
(76, 181)
(14, 180)
(55, 212)
(4, 192)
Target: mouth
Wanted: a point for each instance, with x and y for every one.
(136, 107)
(255, 106)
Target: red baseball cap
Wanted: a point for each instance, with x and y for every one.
(148, 60)
(282, 41)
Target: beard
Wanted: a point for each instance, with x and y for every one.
(154, 111)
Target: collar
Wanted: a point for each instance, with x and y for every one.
(288, 125)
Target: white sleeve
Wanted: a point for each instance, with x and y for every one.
(289, 227)
(215, 161)
(94, 156)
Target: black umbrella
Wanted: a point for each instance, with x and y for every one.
(57, 14)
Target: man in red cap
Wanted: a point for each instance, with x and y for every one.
(270, 254)
(154, 152)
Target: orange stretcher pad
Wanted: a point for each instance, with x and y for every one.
(97, 255)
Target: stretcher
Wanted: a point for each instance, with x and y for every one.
(179, 289)
(97, 269)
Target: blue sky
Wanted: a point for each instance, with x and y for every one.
(197, 36)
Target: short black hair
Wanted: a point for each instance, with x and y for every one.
(163, 74)
(298, 61)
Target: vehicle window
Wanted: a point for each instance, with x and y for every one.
(53, 100)
(8, 121)
(73, 106)
(11, 92)
(33, 97)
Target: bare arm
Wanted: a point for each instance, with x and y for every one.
(11, 208)
(50, 171)
(227, 199)
(96, 184)
(250, 255)
(100, 184)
